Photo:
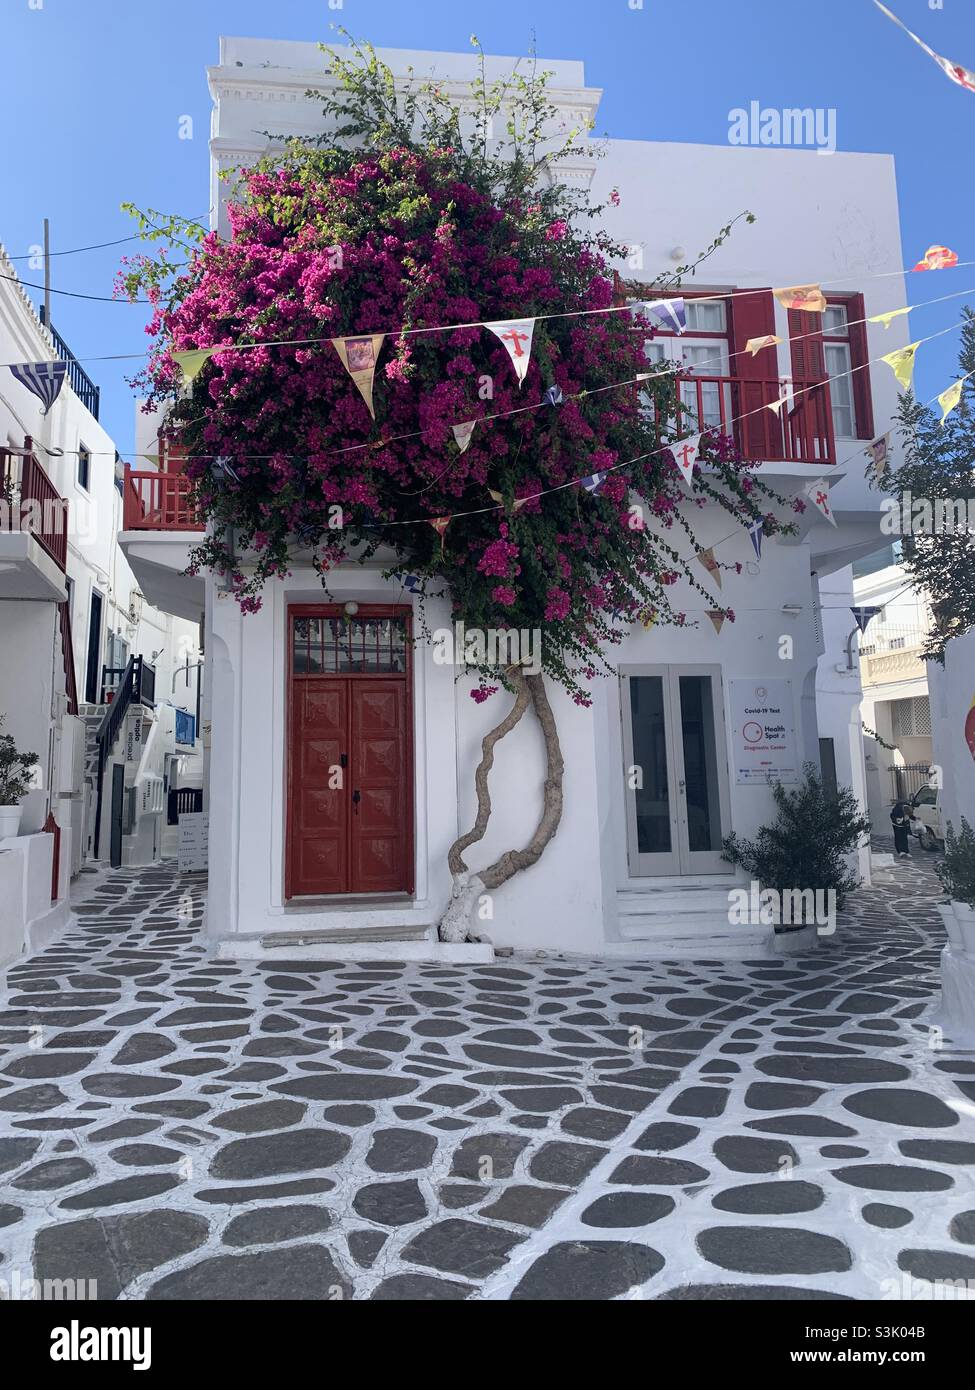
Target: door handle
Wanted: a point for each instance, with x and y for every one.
(343, 759)
(356, 798)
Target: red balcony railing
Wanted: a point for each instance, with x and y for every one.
(30, 502)
(801, 432)
(159, 502)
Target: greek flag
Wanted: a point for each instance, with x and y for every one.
(44, 379)
(553, 396)
(862, 616)
(669, 313)
(411, 582)
(594, 483)
(756, 531)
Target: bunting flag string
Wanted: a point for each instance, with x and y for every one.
(42, 379)
(961, 76)
(901, 363)
(862, 614)
(359, 356)
(516, 336)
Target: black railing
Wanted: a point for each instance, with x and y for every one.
(143, 681)
(183, 801)
(908, 779)
(84, 388)
(137, 687)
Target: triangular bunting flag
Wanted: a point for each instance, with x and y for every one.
(440, 524)
(553, 396)
(784, 399)
(192, 362)
(901, 363)
(949, 399)
(648, 620)
(411, 582)
(937, 258)
(962, 77)
(684, 454)
(594, 483)
(707, 559)
(877, 453)
(862, 615)
(359, 356)
(462, 433)
(669, 313)
(717, 618)
(808, 297)
(889, 316)
(755, 345)
(756, 530)
(516, 335)
(223, 466)
(818, 494)
(44, 379)
(517, 501)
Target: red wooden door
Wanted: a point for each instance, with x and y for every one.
(350, 791)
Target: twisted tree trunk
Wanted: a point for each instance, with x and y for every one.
(456, 923)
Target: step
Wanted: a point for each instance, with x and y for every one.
(693, 901)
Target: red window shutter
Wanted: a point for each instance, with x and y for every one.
(806, 340)
(859, 358)
(752, 316)
(759, 432)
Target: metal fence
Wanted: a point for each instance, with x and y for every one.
(908, 779)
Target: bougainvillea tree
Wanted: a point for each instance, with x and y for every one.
(413, 221)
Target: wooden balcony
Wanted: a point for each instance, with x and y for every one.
(158, 502)
(32, 504)
(801, 432)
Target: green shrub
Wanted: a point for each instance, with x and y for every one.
(806, 846)
(15, 770)
(957, 869)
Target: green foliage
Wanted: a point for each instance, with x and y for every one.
(805, 847)
(15, 769)
(939, 466)
(957, 869)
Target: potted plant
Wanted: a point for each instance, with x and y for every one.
(15, 781)
(957, 874)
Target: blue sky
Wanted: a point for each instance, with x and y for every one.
(94, 91)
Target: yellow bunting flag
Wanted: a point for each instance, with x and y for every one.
(949, 399)
(901, 363)
(887, 318)
(717, 618)
(755, 345)
(192, 362)
(462, 434)
(776, 406)
(809, 297)
(648, 620)
(359, 357)
(515, 504)
(707, 559)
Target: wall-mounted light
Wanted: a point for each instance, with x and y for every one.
(351, 608)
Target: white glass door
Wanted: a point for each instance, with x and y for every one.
(675, 770)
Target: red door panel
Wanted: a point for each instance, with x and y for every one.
(318, 813)
(350, 760)
(379, 775)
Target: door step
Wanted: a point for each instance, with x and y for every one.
(314, 935)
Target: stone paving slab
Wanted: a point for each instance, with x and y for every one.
(175, 1127)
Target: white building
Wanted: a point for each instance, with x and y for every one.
(71, 617)
(629, 871)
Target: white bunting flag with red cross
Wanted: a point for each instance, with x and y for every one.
(516, 334)
(818, 494)
(462, 433)
(685, 453)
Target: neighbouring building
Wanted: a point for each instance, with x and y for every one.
(89, 676)
(896, 709)
(631, 871)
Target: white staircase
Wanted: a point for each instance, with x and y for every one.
(686, 917)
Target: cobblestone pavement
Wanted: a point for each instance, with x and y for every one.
(176, 1127)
